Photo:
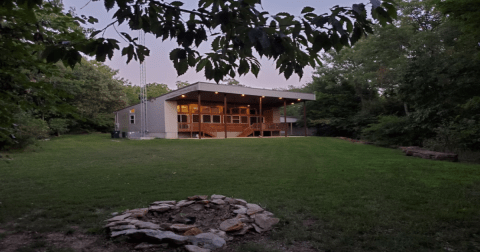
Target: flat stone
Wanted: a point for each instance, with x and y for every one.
(208, 240)
(153, 235)
(159, 208)
(181, 227)
(119, 217)
(241, 202)
(198, 197)
(265, 222)
(257, 228)
(183, 203)
(242, 231)
(215, 196)
(116, 223)
(138, 213)
(193, 248)
(253, 209)
(220, 233)
(218, 202)
(146, 225)
(230, 201)
(122, 227)
(231, 225)
(166, 202)
(192, 232)
(267, 213)
(165, 226)
(240, 209)
(197, 207)
(132, 221)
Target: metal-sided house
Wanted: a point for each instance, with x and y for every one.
(209, 110)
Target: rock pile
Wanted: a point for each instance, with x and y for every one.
(199, 223)
(427, 154)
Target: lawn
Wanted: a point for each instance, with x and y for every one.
(336, 195)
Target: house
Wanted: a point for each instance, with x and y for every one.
(225, 111)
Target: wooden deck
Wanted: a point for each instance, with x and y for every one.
(245, 130)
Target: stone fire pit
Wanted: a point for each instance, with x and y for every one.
(198, 223)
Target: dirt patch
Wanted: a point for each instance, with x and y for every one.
(77, 241)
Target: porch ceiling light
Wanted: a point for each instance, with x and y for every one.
(216, 92)
(183, 96)
(280, 98)
(243, 94)
(299, 99)
(263, 96)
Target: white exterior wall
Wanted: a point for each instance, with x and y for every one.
(170, 118)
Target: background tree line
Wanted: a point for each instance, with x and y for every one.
(414, 82)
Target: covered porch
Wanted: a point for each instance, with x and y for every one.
(232, 111)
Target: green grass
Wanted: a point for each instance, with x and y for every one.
(354, 197)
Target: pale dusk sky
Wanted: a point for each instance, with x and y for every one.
(160, 69)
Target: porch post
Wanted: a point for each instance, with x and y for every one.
(285, 116)
(261, 121)
(305, 117)
(199, 117)
(225, 113)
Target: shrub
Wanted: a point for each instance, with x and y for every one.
(391, 130)
(58, 126)
(28, 129)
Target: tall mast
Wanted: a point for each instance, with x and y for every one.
(143, 90)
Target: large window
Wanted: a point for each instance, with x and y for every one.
(216, 119)
(132, 119)
(206, 118)
(236, 119)
(235, 111)
(244, 119)
(195, 119)
(182, 118)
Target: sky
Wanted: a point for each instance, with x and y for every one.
(160, 69)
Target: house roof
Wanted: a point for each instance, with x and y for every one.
(235, 94)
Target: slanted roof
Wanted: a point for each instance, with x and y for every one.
(234, 94)
(214, 93)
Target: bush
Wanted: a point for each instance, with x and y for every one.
(391, 130)
(28, 129)
(58, 126)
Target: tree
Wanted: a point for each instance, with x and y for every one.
(153, 90)
(240, 29)
(181, 84)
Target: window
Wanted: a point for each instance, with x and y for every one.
(215, 110)
(193, 108)
(252, 111)
(195, 118)
(206, 118)
(228, 119)
(243, 111)
(216, 119)
(132, 111)
(182, 118)
(132, 119)
(184, 108)
(244, 119)
(205, 109)
(236, 119)
(235, 111)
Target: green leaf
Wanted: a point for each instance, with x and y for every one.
(176, 3)
(243, 68)
(182, 67)
(307, 9)
(109, 4)
(95, 33)
(255, 69)
(201, 64)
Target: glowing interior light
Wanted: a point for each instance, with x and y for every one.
(293, 103)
